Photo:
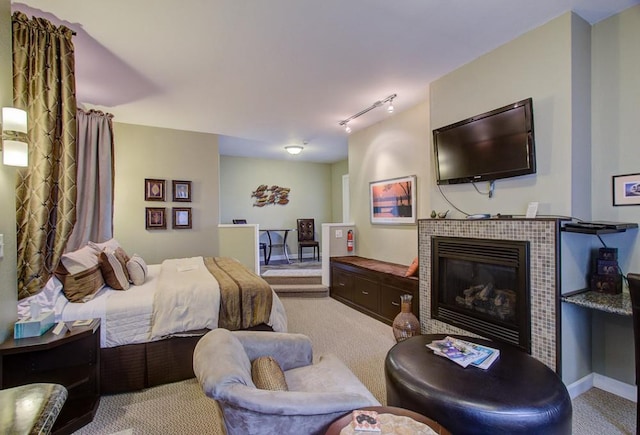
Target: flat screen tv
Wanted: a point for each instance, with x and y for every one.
(493, 145)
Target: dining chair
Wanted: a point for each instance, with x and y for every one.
(262, 245)
(306, 238)
(634, 292)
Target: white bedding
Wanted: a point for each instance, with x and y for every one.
(126, 316)
(187, 297)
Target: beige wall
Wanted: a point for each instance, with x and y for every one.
(396, 147)
(149, 152)
(616, 115)
(615, 88)
(337, 171)
(240, 242)
(310, 196)
(577, 76)
(8, 287)
(538, 64)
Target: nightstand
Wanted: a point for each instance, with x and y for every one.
(71, 359)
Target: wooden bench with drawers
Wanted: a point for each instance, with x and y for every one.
(372, 286)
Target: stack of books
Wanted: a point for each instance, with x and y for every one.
(464, 352)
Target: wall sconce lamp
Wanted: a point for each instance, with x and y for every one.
(294, 149)
(14, 146)
(345, 122)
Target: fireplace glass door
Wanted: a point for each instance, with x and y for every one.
(482, 286)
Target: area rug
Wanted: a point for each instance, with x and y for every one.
(293, 272)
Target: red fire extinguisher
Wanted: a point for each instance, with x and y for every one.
(350, 240)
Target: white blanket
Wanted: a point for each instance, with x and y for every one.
(187, 298)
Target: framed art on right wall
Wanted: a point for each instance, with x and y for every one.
(626, 189)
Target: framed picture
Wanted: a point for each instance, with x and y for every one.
(181, 218)
(154, 189)
(626, 189)
(155, 218)
(181, 191)
(393, 201)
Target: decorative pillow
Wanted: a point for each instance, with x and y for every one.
(137, 269)
(267, 374)
(113, 271)
(80, 275)
(123, 258)
(112, 246)
(413, 268)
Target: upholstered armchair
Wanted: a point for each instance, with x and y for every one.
(316, 393)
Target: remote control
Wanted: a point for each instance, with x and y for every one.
(60, 327)
(479, 216)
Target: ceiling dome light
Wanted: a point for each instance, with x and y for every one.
(294, 149)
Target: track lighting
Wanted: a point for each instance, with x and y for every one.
(345, 122)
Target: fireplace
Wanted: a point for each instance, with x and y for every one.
(482, 286)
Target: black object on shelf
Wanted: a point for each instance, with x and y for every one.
(598, 227)
(606, 277)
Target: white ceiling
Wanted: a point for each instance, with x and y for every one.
(268, 73)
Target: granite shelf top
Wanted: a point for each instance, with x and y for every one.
(616, 304)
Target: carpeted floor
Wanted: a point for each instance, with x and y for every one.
(182, 408)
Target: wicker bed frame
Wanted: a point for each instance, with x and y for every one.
(134, 367)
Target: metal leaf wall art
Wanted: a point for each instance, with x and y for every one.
(274, 195)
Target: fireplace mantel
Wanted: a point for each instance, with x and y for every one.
(543, 237)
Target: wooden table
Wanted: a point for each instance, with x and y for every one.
(342, 422)
(283, 245)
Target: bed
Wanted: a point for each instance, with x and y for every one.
(142, 343)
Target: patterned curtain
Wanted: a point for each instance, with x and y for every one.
(44, 86)
(94, 207)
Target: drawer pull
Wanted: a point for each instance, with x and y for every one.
(365, 293)
(341, 284)
(395, 304)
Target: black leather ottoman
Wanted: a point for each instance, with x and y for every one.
(516, 395)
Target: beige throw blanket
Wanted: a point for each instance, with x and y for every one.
(246, 298)
(197, 293)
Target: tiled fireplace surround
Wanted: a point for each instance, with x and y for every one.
(542, 235)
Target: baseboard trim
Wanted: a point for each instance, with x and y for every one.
(610, 385)
(616, 387)
(580, 386)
